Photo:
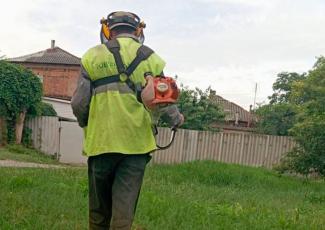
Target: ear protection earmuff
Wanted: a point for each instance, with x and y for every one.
(105, 31)
(140, 28)
(139, 31)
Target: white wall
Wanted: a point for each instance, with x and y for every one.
(71, 137)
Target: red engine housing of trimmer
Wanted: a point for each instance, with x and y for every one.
(159, 90)
(166, 90)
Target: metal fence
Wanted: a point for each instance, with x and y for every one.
(239, 148)
(65, 138)
(45, 134)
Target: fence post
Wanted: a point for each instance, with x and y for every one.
(220, 147)
(242, 148)
(266, 150)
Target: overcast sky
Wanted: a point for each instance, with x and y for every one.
(227, 44)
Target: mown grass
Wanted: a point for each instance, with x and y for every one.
(197, 195)
(20, 153)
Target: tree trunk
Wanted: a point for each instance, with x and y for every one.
(19, 126)
(3, 131)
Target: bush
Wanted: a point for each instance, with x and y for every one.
(47, 109)
(200, 110)
(309, 157)
(308, 130)
(20, 92)
(27, 137)
(276, 119)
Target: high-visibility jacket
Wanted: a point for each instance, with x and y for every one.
(114, 120)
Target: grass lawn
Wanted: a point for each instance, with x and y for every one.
(197, 195)
(19, 153)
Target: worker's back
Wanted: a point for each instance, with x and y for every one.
(117, 121)
(118, 134)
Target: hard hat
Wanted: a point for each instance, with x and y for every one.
(122, 18)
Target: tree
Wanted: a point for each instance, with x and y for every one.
(20, 92)
(282, 87)
(276, 119)
(309, 130)
(309, 155)
(199, 110)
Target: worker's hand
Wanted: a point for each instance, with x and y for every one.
(172, 116)
(181, 120)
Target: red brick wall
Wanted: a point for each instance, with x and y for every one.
(59, 81)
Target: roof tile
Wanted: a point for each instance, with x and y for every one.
(54, 55)
(231, 109)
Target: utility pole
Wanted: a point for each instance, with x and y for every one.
(254, 105)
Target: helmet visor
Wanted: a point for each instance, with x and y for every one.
(121, 18)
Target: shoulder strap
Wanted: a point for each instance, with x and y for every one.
(143, 53)
(114, 48)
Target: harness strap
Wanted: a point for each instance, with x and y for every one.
(106, 80)
(114, 48)
(143, 53)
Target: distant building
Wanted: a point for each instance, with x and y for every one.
(236, 117)
(62, 108)
(58, 70)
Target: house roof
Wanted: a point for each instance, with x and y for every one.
(231, 109)
(54, 55)
(62, 108)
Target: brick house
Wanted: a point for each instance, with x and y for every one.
(59, 72)
(236, 117)
(58, 69)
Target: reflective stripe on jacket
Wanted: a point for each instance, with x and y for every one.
(113, 119)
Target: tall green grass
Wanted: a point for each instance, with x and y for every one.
(197, 195)
(209, 195)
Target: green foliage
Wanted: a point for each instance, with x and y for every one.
(199, 110)
(8, 88)
(20, 91)
(11, 131)
(282, 87)
(309, 156)
(27, 137)
(276, 119)
(47, 109)
(309, 131)
(41, 109)
(297, 108)
(310, 93)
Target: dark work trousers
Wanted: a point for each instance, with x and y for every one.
(114, 185)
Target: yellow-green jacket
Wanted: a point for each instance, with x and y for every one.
(114, 121)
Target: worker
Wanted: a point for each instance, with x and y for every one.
(118, 137)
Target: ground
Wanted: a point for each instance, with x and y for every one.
(196, 195)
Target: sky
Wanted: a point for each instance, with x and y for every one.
(229, 45)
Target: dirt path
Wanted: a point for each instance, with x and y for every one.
(19, 164)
